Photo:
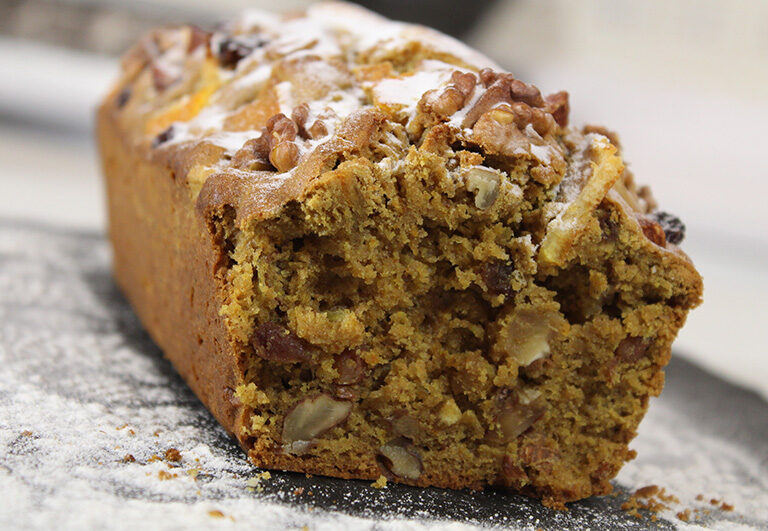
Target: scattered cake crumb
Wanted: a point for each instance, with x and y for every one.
(684, 515)
(380, 483)
(164, 475)
(216, 514)
(649, 498)
(254, 483)
(173, 455)
(726, 506)
(26, 433)
(298, 491)
(128, 458)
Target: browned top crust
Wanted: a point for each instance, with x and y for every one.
(251, 114)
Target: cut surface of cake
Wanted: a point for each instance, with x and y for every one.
(371, 251)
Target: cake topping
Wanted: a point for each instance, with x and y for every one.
(232, 49)
(315, 71)
(673, 228)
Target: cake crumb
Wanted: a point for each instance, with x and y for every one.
(216, 514)
(173, 455)
(649, 498)
(128, 458)
(26, 433)
(684, 515)
(298, 491)
(700, 497)
(380, 483)
(164, 475)
(726, 506)
(647, 491)
(254, 483)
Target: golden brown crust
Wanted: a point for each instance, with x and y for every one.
(165, 262)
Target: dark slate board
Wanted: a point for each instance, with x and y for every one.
(82, 386)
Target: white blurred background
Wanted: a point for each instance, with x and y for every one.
(685, 84)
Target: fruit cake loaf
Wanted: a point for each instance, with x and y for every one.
(369, 250)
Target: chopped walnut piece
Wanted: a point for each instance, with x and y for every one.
(312, 417)
(299, 116)
(274, 342)
(405, 425)
(350, 367)
(558, 106)
(652, 231)
(525, 333)
(284, 156)
(632, 349)
(451, 98)
(400, 459)
(518, 90)
(275, 148)
(518, 413)
(484, 182)
(317, 130)
(536, 451)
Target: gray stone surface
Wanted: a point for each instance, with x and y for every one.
(82, 387)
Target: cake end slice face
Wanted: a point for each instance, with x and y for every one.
(424, 271)
(436, 315)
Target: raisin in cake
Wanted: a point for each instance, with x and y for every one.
(370, 251)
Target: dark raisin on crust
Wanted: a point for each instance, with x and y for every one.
(123, 97)
(673, 228)
(233, 49)
(164, 136)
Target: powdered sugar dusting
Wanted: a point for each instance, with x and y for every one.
(88, 408)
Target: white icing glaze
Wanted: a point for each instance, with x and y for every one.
(406, 91)
(541, 153)
(338, 31)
